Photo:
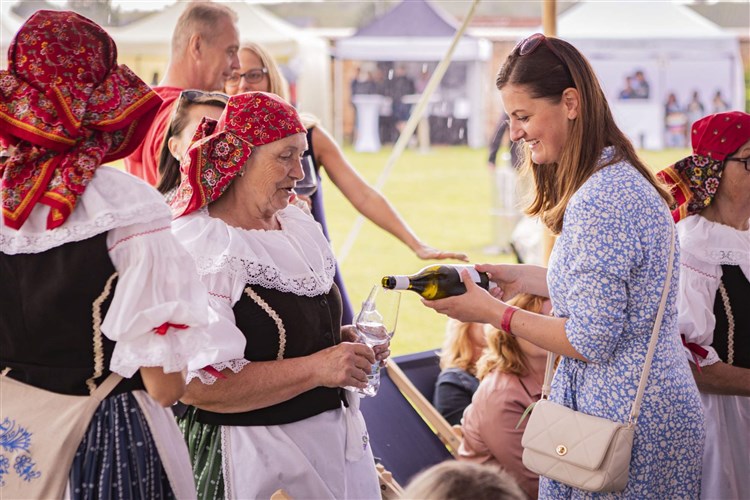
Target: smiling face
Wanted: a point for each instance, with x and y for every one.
(539, 122)
(270, 175)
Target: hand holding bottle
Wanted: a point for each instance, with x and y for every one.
(437, 281)
(382, 352)
(476, 305)
(512, 279)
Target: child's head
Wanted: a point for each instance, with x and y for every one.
(453, 480)
(504, 351)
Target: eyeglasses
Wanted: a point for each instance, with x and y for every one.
(745, 161)
(529, 45)
(251, 76)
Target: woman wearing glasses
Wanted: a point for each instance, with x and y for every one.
(606, 272)
(712, 189)
(259, 72)
(189, 109)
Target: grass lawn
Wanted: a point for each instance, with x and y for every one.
(445, 196)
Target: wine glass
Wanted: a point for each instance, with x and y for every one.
(308, 185)
(376, 324)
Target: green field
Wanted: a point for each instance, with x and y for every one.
(445, 196)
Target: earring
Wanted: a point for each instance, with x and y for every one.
(241, 172)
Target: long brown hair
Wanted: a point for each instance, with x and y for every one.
(503, 352)
(546, 73)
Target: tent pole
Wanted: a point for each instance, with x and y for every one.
(338, 113)
(409, 128)
(549, 23)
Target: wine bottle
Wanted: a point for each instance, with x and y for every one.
(438, 281)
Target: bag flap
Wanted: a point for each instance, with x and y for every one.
(569, 436)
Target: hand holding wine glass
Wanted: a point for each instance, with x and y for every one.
(376, 324)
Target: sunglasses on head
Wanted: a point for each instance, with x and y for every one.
(199, 96)
(529, 45)
(251, 76)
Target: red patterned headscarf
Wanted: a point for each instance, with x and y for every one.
(221, 148)
(65, 108)
(695, 179)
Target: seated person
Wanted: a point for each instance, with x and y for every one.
(451, 480)
(511, 373)
(457, 381)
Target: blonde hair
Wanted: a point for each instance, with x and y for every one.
(458, 348)
(277, 84)
(503, 352)
(546, 73)
(454, 479)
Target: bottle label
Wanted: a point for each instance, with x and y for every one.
(473, 273)
(402, 283)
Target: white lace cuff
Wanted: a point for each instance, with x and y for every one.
(207, 378)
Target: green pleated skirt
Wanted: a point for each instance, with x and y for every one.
(204, 446)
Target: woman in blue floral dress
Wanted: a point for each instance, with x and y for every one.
(606, 272)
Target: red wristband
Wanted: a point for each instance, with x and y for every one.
(507, 316)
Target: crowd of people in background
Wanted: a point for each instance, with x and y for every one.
(679, 118)
(208, 323)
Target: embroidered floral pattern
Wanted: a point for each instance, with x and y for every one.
(16, 440)
(68, 107)
(221, 149)
(606, 275)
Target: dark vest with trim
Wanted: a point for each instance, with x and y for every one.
(46, 316)
(738, 291)
(312, 324)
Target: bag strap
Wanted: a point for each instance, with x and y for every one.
(636, 408)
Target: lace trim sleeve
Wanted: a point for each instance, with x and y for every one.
(236, 365)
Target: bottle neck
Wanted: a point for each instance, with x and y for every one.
(401, 282)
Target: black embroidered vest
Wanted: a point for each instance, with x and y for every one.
(738, 291)
(46, 316)
(311, 324)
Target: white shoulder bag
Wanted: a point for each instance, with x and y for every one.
(583, 451)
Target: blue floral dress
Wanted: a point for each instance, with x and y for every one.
(606, 275)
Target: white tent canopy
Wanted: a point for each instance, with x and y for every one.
(305, 54)
(418, 31)
(678, 50)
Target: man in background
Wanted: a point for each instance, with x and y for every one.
(203, 55)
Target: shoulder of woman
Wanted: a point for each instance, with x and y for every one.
(120, 184)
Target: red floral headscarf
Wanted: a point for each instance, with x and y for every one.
(65, 108)
(695, 179)
(221, 148)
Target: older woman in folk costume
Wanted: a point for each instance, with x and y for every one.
(273, 415)
(84, 245)
(712, 190)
